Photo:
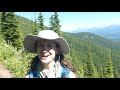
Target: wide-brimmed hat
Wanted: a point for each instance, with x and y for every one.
(30, 41)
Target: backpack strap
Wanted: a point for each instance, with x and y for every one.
(65, 73)
(34, 74)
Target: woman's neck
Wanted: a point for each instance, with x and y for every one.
(48, 66)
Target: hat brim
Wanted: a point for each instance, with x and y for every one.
(30, 41)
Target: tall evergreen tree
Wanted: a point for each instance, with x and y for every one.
(109, 66)
(85, 70)
(90, 71)
(116, 69)
(41, 22)
(51, 22)
(9, 26)
(55, 23)
(35, 26)
(3, 24)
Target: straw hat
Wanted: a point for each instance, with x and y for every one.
(30, 41)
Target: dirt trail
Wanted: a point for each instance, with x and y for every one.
(4, 73)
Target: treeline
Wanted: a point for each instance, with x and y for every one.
(90, 60)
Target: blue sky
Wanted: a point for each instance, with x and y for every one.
(74, 20)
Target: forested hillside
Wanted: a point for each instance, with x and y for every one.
(83, 44)
(92, 55)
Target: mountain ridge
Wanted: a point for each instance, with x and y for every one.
(109, 32)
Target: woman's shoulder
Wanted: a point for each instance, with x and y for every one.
(66, 73)
(31, 74)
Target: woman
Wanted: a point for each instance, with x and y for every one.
(49, 62)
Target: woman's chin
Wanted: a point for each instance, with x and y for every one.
(45, 60)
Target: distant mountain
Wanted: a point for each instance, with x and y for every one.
(110, 32)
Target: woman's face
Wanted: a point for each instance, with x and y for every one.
(46, 50)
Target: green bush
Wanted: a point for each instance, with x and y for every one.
(16, 61)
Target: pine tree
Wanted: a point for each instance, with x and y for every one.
(109, 66)
(85, 70)
(3, 24)
(90, 71)
(51, 22)
(116, 70)
(9, 26)
(101, 72)
(41, 22)
(55, 23)
(35, 26)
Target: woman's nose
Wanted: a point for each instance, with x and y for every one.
(45, 48)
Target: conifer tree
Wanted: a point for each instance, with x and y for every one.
(109, 66)
(3, 24)
(35, 27)
(90, 71)
(55, 23)
(85, 70)
(41, 22)
(116, 70)
(101, 73)
(51, 22)
(9, 26)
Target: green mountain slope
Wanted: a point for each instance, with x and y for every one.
(99, 41)
(80, 42)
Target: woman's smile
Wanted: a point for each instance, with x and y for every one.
(45, 56)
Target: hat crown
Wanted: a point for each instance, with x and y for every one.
(48, 34)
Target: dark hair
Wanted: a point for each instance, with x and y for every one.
(34, 63)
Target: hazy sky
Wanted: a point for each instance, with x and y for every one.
(73, 20)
